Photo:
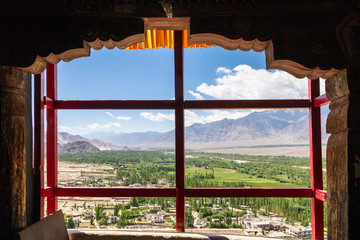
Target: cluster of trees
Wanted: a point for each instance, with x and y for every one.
(146, 167)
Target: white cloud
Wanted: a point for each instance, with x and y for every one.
(212, 115)
(118, 117)
(196, 95)
(62, 128)
(158, 117)
(244, 82)
(98, 126)
(224, 70)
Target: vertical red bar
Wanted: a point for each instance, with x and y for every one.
(51, 136)
(39, 140)
(179, 131)
(317, 206)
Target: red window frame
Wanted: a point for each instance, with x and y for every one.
(52, 104)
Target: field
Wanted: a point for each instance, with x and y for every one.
(230, 175)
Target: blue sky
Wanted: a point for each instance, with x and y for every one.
(210, 73)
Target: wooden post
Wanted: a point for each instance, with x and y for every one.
(12, 148)
(180, 131)
(343, 155)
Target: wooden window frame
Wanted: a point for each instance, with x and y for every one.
(52, 105)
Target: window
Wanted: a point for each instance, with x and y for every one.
(179, 105)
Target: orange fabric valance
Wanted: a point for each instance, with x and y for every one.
(164, 38)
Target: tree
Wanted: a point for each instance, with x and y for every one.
(228, 221)
(102, 222)
(189, 219)
(134, 202)
(70, 223)
(117, 208)
(84, 205)
(122, 223)
(98, 212)
(91, 219)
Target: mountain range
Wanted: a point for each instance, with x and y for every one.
(269, 127)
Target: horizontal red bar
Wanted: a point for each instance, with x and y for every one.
(189, 192)
(114, 104)
(321, 195)
(114, 192)
(321, 101)
(249, 192)
(246, 104)
(48, 103)
(47, 192)
(170, 104)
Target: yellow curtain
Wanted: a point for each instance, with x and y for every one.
(164, 38)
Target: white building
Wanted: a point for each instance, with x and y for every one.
(135, 185)
(86, 213)
(301, 233)
(216, 208)
(77, 221)
(260, 224)
(155, 218)
(154, 207)
(198, 221)
(249, 216)
(244, 207)
(113, 219)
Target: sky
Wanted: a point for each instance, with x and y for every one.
(209, 73)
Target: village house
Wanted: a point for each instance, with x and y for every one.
(277, 226)
(155, 218)
(113, 219)
(300, 233)
(77, 221)
(86, 213)
(199, 222)
(154, 207)
(245, 207)
(249, 216)
(260, 224)
(216, 208)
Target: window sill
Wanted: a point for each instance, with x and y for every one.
(156, 234)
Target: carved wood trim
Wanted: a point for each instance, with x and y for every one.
(256, 45)
(227, 43)
(40, 63)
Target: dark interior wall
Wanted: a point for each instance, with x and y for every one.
(304, 32)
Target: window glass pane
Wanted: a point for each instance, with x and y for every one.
(218, 74)
(271, 217)
(118, 75)
(116, 148)
(267, 148)
(118, 213)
